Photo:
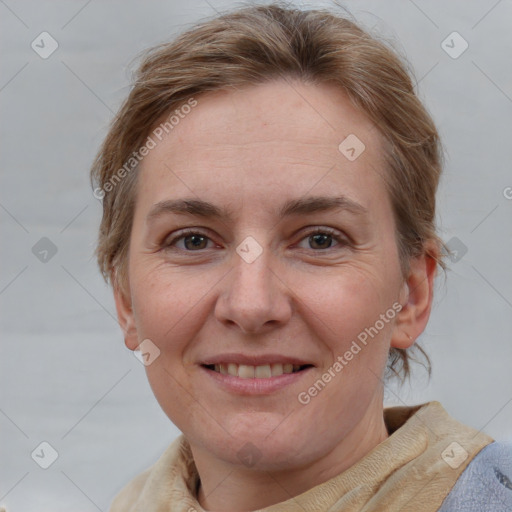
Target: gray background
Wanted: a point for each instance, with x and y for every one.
(66, 376)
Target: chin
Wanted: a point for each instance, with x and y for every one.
(266, 449)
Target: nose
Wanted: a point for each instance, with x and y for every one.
(254, 296)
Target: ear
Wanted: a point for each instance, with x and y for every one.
(416, 299)
(125, 315)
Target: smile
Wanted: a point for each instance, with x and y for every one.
(266, 371)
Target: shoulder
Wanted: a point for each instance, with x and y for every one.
(130, 493)
(162, 474)
(485, 484)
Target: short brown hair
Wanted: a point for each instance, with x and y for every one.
(253, 45)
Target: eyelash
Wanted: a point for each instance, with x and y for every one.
(168, 244)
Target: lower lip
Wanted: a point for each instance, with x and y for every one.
(255, 386)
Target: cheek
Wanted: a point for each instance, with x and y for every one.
(156, 309)
(354, 322)
(171, 305)
(347, 303)
(170, 310)
(354, 334)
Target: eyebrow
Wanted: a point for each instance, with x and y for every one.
(302, 206)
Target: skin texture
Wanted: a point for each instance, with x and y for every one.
(250, 150)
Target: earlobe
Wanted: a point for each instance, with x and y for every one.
(417, 295)
(125, 317)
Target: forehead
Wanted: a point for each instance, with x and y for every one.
(283, 135)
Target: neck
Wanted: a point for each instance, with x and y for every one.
(230, 488)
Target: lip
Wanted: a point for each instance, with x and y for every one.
(254, 360)
(267, 386)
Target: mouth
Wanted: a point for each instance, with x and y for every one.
(266, 371)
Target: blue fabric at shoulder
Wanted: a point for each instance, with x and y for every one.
(486, 484)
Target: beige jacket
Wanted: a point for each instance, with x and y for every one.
(411, 471)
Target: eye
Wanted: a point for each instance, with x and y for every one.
(322, 238)
(192, 240)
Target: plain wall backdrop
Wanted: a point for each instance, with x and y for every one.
(66, 377)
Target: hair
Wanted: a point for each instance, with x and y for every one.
(253, 45)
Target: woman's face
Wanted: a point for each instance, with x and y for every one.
(289, 258)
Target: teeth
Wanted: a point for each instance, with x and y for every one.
(287, 368)
(262, 372)
(244, 371)
(277, 369)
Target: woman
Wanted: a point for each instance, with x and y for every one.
(268, 228)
